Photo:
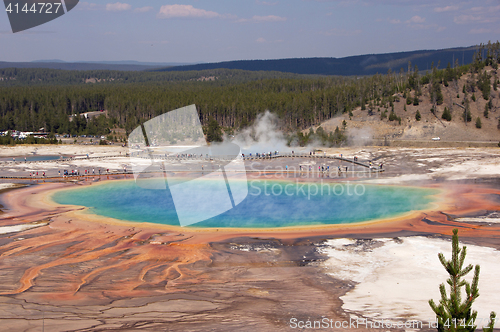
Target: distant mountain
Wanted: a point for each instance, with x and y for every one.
(90, 65)
(50, 60)
(368, 64)
(358, 65)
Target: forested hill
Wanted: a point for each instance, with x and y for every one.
(90, 65)
(369, 64)
(31, 99)
(218, 77)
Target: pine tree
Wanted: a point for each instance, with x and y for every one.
(214, 132)
(418, 116)
(393, 116)
(478, 123)
(383, 115)
(452, 314)
(446, 114)
(493, 317)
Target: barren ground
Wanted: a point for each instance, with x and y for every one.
(67, 273)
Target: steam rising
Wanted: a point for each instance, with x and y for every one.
(359, 136)
(263, 136)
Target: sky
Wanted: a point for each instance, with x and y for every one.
(222, 30)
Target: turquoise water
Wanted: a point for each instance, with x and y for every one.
(267, 203)
(32, 158)
(40, 158)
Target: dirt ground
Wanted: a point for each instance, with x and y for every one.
(368, 128)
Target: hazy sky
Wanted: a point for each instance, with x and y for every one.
(220, 30)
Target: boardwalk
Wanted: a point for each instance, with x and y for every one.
(184, 157)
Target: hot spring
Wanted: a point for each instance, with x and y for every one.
(269, 204)
(32, 158)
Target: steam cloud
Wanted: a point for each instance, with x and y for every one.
(262, 136)
(359, 136)
(265, 136)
